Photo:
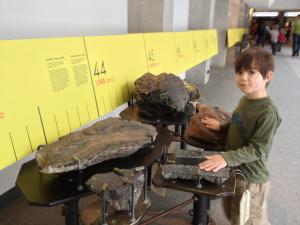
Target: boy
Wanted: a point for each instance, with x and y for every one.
(250, 134)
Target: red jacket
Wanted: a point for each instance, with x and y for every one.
(281, 37)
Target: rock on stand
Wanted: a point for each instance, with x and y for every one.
(160, 95)
(106, 139)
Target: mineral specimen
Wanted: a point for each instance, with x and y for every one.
(196, 129)
(118, 191)
(160, 95)
(192, 171)
(106, 139)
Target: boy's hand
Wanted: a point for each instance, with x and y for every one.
(213, 163)
(211, 123)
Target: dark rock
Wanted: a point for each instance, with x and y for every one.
(196, 129)
(106, 139)
(118, 187)
(160, 95)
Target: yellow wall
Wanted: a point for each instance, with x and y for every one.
(50, 87)
(234, 35)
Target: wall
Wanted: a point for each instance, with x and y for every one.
(145, 16)
(55, 18)
(181, 15)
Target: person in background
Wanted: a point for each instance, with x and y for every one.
(261, 34)
(288, 30)
(274, 33)
(296, 36)
(253, 32)
(281, 39)
(250, 134)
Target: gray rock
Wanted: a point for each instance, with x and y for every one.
(106, 139)
(192, 171)
(118, 191)
(160, 95)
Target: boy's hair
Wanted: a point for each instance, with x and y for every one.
(255, 58)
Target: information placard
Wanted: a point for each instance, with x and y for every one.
(161, 53)
(184, 50)
(116, 62)
(45, 93)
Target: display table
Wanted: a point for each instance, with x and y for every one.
(202, 196)
(180, 120)
(41, 189)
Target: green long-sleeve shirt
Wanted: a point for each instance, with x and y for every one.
(296, 27)
(251, 131)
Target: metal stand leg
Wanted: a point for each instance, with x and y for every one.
(183, 144)
(201, 210)
(103, 204)
(71, 212)
(146, 201)
(131, 206)
(176, 129)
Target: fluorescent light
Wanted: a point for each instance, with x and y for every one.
(291, 14)
(265, 14)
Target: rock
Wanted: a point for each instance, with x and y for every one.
(192, 171)
(118, 190)
(196, 129)
(106, 139)
(160, 95)
(192, 90)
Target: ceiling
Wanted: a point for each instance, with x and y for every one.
(270, 5)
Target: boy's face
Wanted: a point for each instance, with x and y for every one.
(252, 83)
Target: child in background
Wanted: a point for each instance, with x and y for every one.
(281, 39)
(250, 135)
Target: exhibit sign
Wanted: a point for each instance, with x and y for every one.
(234, 35)
(51, 87)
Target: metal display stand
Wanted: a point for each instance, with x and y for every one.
(202, 195)
(180, 120)
(40, 189)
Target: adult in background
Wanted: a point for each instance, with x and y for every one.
(296, 36)
(261, 34)
(274, 33)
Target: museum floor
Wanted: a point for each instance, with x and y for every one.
(284, 162)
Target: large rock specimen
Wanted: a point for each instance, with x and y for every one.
(106, 139)
(160, 95)
(186, 167)
(196, 129)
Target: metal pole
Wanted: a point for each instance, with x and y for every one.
(145, 186)
(179, 206)
(201, 210)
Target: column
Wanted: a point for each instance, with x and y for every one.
(221, 22)
(150, 16)
(201, 15)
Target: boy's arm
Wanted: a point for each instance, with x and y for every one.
(259, 143)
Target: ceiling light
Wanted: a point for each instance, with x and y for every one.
(291, 14)
(265, 14)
